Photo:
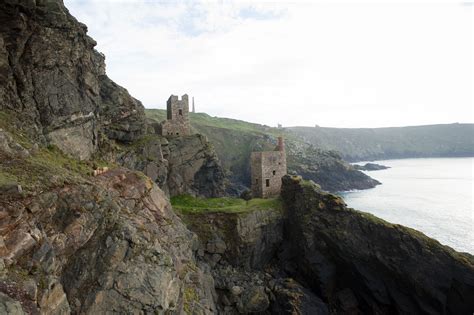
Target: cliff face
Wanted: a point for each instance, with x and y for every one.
(359, 263)
(72, 243)
(53, 81)
(53, 77)
(179, 165)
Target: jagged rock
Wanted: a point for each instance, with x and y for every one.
(123, 250)
(216, 246)
(10, 147)
(54, 300)
(355, 260)
(194, 167)
(292, 298)
(51, 74)
(10, 306)
(254, 300)
(179, 165)
(249, 240)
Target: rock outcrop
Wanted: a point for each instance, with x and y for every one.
(248, 240)
(53, 77)
(179, 165)
(112, 244)
(359, 263)
(370, 167)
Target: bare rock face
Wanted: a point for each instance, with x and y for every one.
(245, 240)
(359, 263)
(179, 165)
(51, 74)
(111, 245)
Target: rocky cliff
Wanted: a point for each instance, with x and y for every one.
(82, 234)
(361, 264)
(179, 165)
(53, 77)
(74, 243)
(54, 90)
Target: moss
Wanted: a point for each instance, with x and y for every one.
(190, 296)
(188, 205)
(46, 167)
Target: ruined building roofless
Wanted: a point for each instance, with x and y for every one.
(177, 113)
(267, 168)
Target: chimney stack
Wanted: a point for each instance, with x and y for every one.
(281, 144)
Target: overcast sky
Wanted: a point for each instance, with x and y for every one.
(330, 63)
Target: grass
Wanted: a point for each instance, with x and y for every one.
(202, 121)
(191, 205)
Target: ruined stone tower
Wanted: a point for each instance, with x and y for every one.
(177, 123)
(267, 168)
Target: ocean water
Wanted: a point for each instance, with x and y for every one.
(434, 196)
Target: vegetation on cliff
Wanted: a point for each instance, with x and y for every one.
(234, 140)
(188, 205)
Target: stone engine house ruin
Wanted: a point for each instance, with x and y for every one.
(267, 168)
(177, 122)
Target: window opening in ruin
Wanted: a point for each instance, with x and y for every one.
(274, 172)
(256, 181)
(267, 182)
(180, 112)
(177, 133)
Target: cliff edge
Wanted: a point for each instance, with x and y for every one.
(358, 262)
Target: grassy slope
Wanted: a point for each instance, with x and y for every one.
(192, 205)
(45, 167)
(234, 140)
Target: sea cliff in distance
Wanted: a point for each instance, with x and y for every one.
(365, 144)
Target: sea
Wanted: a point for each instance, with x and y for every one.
(432, 195)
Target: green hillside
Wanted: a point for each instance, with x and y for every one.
(451, 140)
(234, 140)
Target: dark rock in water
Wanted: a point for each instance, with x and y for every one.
(356, 261)
(370, 167)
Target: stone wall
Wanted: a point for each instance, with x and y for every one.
(267, 169)
(177, 123)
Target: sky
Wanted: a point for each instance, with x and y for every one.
(298, 63)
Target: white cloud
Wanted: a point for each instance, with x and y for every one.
(345, 64)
